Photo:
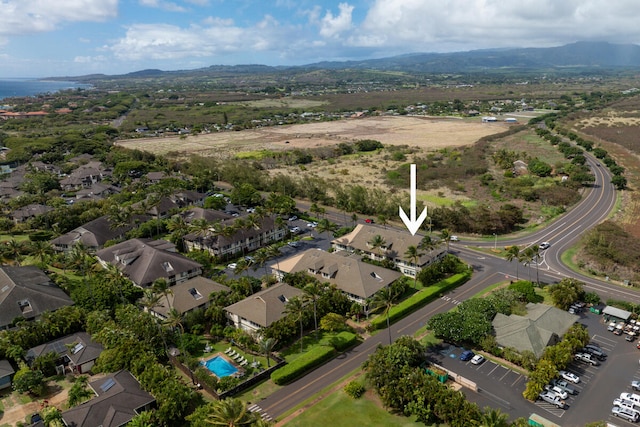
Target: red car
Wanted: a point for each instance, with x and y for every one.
(369, 221)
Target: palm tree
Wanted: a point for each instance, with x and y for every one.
(446, 236)
(143, 419)
(266, 346)
(178, 228)
(326, 226)
(200, 227)
(241, 266)
(312, 291)
(514, 253)
(527, 257)
(535, 253)
(41, 250)
(296, 308)
(161, 286)
(149, 299)
(382, 219)
(274, 252)
(230, 413)
(384, 299)
(15, 250)
(413, 254)
(378, 243)
(261, 257)
(492, 417)
(173, 321)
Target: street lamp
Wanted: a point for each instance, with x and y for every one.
(495, 241)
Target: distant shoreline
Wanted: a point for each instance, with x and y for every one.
(17, 87)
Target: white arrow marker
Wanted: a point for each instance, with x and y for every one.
(413, 224)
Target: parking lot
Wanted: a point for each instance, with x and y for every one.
(502, 387)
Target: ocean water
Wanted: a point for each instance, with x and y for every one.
(31, 87)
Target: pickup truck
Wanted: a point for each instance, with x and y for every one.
(587, 358)
(563, 386)
(552, 398)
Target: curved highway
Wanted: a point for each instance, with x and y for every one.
(597, 203)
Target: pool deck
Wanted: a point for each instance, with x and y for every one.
(241, 370)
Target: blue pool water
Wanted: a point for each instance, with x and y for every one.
(220, 366)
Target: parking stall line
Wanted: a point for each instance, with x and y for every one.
(517, 380)
(505, 374)
(494, 368)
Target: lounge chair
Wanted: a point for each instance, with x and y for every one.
(237, 357)
(229, 350)
(232, 353)
(244, 363)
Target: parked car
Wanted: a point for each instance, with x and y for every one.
(293, 244)
(569, 376)
(557, 390)
(563, 385)
(232, 266)
(369, 221)
(630, 396)
(617, 331)
(312, 224)
(467, 355)
(627, 404)
(292, 218)
(477, 359)
(629, 338)
(544, 245)
(596, 351)
(635, 385)
(625, 413)
(611, 327)
(587, 358)
(35, 417)
(552, 398)
(294, 230)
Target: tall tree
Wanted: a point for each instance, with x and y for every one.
(296, 308)
(266, 346)
(378, 243)
(514, 253)
(230, 413)
(326, 226)
(161, 286)
(42, 251)
(413, 254)
(383, 300)
(312, 291)
(446, 236)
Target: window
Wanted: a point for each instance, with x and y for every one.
(167, 266)
(25, 306)
(195, 294)
(78, 347)
(107, 384)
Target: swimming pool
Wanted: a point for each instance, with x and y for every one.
(220, 366)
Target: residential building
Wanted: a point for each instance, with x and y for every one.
(188, 296)
(76, 352)
(357, 279)
(85, 176)
(261, 309)
(30, 211)
(6, 373)
(396, 244)
(26, 293)
(119, 398)
(543, 325)
(94, 234)
(145, 260)
(243, 240)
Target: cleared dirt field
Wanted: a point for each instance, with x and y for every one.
(426, 133)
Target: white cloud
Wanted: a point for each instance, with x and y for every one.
(164, 5)
(25, 17)
(333, 26)
(444, 25)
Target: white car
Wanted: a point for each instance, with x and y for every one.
(559, 392)
(630, 396)
(569, 376)
(454, 239)
(478, 359)
(232, 266)
(312, 224)
(544, 245)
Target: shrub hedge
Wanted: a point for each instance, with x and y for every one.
(316, 356)
(419, 299)
(344, 340)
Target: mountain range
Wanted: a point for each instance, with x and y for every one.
(583, 56)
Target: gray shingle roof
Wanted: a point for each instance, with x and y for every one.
(397, 242)
(145, 260)
(534, 331)
(85, 350)
(5, 368)
(266, 306)
(348, 273)
(189, 295)
(27, 292)
(96, 233)
(114, 406)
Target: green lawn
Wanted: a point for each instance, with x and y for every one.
(340, 410)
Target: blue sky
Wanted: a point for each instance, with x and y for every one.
(41, 38)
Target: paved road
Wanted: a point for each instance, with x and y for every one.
(597, 202)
